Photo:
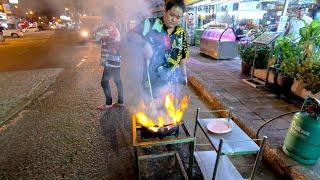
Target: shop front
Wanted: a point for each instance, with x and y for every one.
(258, 16)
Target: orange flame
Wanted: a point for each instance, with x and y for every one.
(173, 115)
(160, 121)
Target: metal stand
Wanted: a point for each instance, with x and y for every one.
(264, 40)
(215, 164)
(139, 143)
(253, 82)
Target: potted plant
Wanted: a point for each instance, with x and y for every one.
(309, 74)
(288, 57)
(307, 81)
(248, 52)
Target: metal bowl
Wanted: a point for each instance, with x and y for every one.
(168, 130)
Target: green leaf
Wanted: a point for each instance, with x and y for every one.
(315, 24)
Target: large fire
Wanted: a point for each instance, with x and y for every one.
(170, 114)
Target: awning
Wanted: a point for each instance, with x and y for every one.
(189, 2)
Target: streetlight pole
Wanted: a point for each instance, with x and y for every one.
(285, 7)
(284, 18)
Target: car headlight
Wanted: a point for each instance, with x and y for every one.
(85, 33)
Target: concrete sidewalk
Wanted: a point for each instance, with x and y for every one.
(220, 83)
(19, 88)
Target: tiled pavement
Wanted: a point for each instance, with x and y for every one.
(220, 83)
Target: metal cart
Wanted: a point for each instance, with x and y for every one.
(215, 164)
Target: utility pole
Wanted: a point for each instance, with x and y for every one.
(284, 18)
(285, 7)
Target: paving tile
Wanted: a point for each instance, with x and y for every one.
(282, 123)
(268, 112)
(260, 102)
(275, 136)
(241, 92)
(247, 116)
(227, 96)
(227, 81)
(254, 124)
(238, 106)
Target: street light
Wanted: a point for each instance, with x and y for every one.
(30, 12)
(67, 9)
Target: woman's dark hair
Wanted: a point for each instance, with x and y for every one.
(175, 3)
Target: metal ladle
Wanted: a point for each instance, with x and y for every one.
(153, 106)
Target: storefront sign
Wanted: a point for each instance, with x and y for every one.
(67, 18)
(249, 6)
(13, 1)
(7, 8)
(1, 8)
(306, 1)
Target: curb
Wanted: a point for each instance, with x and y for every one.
(274, 157)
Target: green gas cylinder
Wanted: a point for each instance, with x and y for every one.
(302, 142)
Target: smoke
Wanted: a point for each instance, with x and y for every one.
(126, 12)
(124, 8)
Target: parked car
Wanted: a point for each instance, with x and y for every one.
(1, 35)
(15, 33)
(31, 29)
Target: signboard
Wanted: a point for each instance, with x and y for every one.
(266, 38)
(13, 1)
(7, 8)
(188, 2)
(282, 23)
(63, 17)
(306, 1)
(249, 6)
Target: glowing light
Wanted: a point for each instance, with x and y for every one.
(85, 33)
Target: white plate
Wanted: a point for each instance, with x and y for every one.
(219, 126)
